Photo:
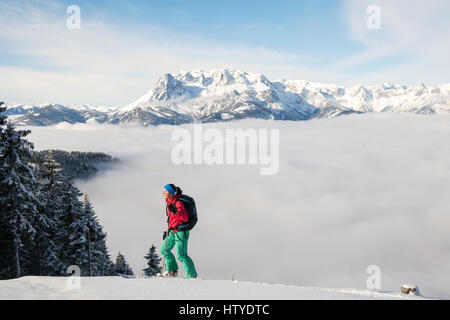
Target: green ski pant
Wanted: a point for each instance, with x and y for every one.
(179, 240)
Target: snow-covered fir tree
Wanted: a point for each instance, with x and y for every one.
(99, 256)
(153, 262)
(72, 237)
(4, 242)
(121, 266)
(46, 224)
(2, 116)
(18, 201)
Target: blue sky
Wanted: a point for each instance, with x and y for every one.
(293, 26)
(124, 46)
(317, 27)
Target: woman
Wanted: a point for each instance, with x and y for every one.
(177, 215)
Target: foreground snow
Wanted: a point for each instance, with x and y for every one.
(166, 288)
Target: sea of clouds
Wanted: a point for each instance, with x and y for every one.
(351, 192)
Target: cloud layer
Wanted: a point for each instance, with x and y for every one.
(351, 192)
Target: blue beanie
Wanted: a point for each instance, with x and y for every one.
(169, 189)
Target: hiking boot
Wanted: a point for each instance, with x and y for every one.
(173, 273)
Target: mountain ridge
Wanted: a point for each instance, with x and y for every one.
(225, 95)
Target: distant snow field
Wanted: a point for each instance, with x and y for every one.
(351, 192)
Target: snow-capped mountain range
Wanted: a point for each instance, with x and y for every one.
(224, 95)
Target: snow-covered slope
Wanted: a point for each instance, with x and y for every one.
(224, 95)
(176, 289)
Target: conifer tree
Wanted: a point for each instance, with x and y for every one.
(103, 259)
(98, 253)
(5, 266)
(46, 223)
(153, 262)
(121, 266)
(71, 238)
(18, 200)
(2, 116)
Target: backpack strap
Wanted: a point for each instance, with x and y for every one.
(186, 224)
(167, 214)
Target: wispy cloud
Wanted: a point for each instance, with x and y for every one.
(111, 63)
(417, 30)
(137, 55)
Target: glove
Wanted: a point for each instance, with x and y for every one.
(164, 235)
(172, 208)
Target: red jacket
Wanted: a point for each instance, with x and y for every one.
(180, 217)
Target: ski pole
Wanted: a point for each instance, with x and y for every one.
(164, 257)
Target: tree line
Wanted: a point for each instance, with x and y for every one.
(75, 164)
(46, 224)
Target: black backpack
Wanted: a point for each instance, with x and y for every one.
(191, 209)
